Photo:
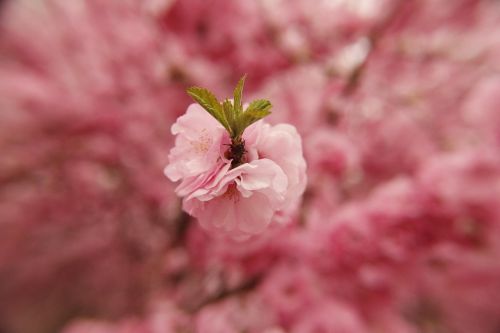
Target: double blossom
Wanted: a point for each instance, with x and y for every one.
(236, 200)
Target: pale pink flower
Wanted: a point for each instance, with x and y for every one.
(163, 316)
(330, 152)
(243, 201)
(330, 316)
(246, 313)
(197, 144)
(238, 201)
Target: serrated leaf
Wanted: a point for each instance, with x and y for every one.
(260, 104)
(257, 110)
(231, 114)
(238, 93)
(228, 109)
(210, 103)
(252, 115)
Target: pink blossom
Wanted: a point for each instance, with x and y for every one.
(332, 317)
(247, 313)
(197, 145)
(225, 199)
(397, 106)
(162, 317)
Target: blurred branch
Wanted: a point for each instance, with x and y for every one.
(225, 293)
(374, 37)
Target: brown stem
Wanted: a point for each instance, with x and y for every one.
(236, 152)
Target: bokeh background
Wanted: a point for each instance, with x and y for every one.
(398, 106)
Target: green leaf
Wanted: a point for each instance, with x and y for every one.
(238, 92)
(231, 114)
(210, 103)
(257, 110)
(228, 109)
(260, 105)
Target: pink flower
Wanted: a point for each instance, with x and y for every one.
(197, 145)
(331, 316)
(163, 316)
(246, 313)
(238, 201)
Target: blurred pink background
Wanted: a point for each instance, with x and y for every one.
(398, 106)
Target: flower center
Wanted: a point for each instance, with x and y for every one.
(236, 152)
(203, 143)
(232, 193)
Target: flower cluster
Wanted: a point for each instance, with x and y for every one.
(394, 103)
